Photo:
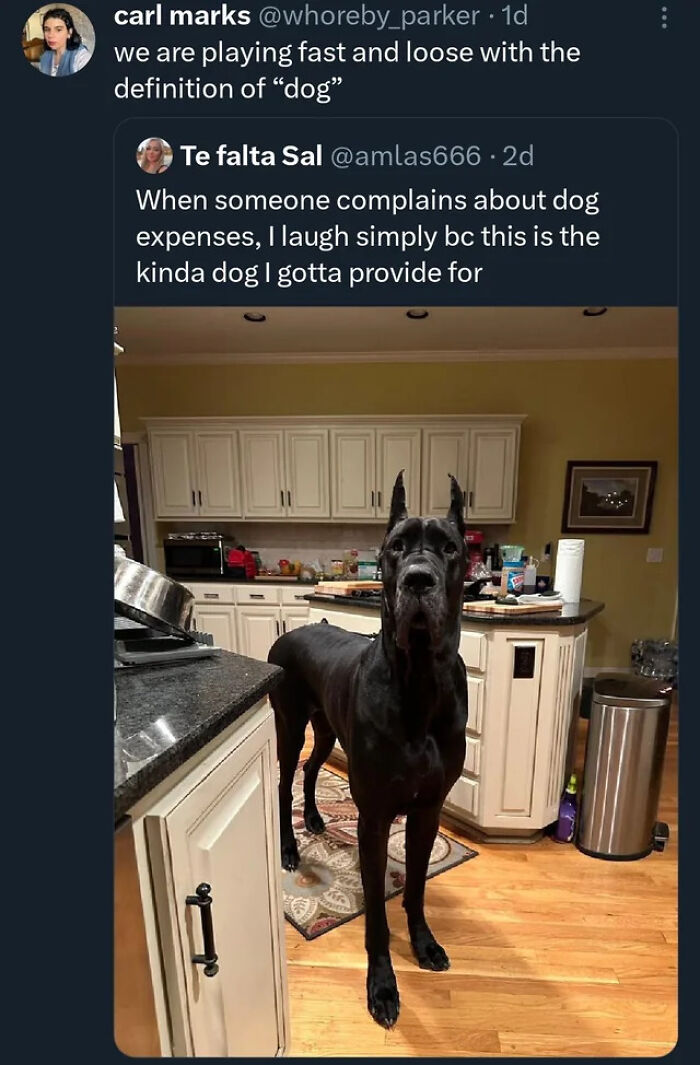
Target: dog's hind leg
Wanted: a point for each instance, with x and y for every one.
(290, 722)
(324, 738)
(421, 830)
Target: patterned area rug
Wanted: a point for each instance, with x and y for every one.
(326, 890)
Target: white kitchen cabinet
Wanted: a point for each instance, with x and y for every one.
(483, 458)
(220, 622)
(445, 451)
(219, 827)
(218, 481)
(353, 473)
(263, 471)
(398, 449)
(285, 473)
(307, 477)
(364, 466)
(492, 473)
(294, 617)
(258, 628)
(195, 474)
(173, 467)
(330, 469)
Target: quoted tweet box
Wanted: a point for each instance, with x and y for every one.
(560, 211)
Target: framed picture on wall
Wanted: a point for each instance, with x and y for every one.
(608, 497)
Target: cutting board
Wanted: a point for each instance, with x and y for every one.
(347, 587)
(504, 608)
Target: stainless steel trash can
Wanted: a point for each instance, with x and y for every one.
(624, 759)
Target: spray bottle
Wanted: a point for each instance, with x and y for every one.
(566, 825)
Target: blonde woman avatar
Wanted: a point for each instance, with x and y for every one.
(153, 156)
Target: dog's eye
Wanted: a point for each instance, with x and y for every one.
(397, 546)
(450, 548)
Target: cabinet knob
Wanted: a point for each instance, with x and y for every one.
(203, 899)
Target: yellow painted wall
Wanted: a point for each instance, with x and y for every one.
(575, 410)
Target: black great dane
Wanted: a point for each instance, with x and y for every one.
(398, 705)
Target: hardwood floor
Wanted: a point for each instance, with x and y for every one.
(553, 954)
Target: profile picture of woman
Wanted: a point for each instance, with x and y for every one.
(58, 41)
(154, 155)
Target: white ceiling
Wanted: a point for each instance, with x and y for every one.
(325, 334)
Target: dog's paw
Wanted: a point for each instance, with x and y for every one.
(383, 994)
(290, 856)
(431, 955)
(314, 823)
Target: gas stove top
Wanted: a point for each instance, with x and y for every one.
(136, 644)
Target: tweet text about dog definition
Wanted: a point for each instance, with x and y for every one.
(317, 54)
(395, 210)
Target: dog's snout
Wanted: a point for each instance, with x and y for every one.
(418, 579)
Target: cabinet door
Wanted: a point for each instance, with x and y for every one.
(173, 465)
(294, 617)
(398, 449)
(306, 462)
(258, 628)
(353, 493)
(444, 452)
(492, 473)
(220, 622)
(263, 467)
(224, 833)
(218, 482)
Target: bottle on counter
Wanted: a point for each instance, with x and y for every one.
(530, 576)
(566, 824)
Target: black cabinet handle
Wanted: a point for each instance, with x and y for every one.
(277, 627)
(289, 497)
(379, 499)
(471, 500)
(373, 498)
(194, 499)
(200, 498)
(284, 626)
(281, 497)
(209, 958)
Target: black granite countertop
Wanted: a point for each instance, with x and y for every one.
(166, 713)
(570, 614)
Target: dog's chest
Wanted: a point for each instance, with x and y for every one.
(415, 772)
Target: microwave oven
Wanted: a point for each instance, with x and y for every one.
(195, 555)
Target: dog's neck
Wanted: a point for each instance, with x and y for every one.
(421, 673)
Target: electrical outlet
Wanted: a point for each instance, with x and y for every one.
(655, 554)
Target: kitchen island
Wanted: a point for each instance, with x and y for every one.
(524, 679)
(200, 968)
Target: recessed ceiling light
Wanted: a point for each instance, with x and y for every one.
(254, 316)
(593, 312)
(417, 312)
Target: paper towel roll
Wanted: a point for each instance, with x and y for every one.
(569, 570)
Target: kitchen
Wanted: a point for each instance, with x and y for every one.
(271, 432)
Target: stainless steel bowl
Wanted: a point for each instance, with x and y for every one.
(144, 595)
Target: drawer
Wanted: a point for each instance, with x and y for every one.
(473, 647)
(475, 701)
(465, 796)
(256, 593)
(472, 759)
(212, 593)
(294, 595)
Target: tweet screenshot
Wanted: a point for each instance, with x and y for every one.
(392, 298)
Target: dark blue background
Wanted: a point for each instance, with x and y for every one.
(58, 218)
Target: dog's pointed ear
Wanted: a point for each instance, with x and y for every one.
(456, 512)
(397, 511)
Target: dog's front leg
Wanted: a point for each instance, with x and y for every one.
(382, 992)
(421, 830)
